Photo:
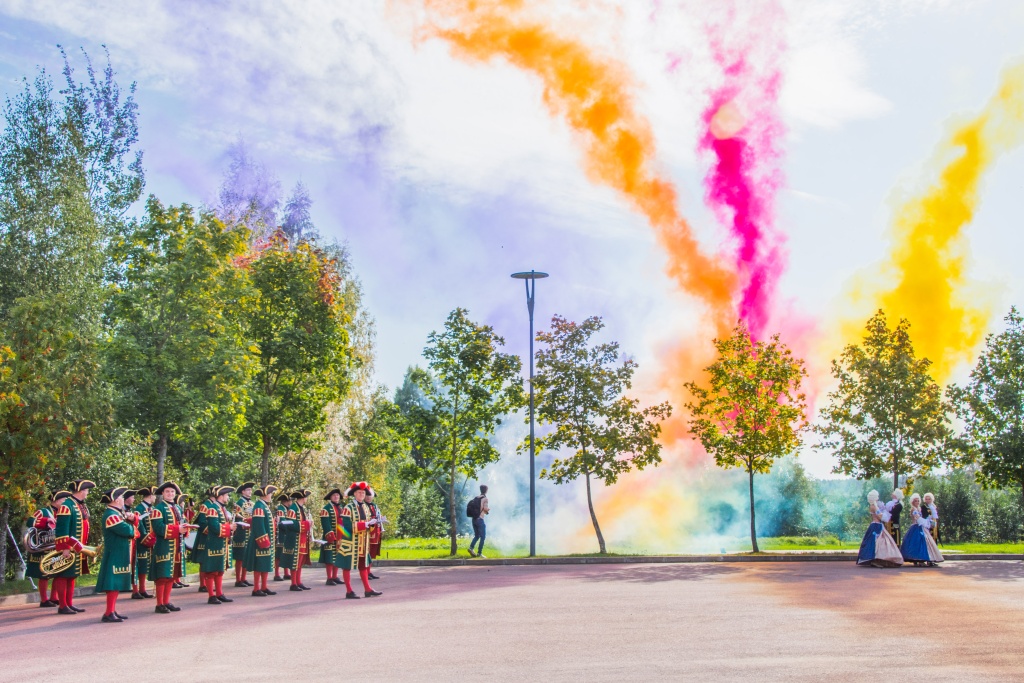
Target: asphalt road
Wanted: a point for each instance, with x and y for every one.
(710, 622)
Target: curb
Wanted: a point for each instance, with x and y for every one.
(33, 598)
(658, 559)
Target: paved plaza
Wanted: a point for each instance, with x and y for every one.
(709, 622)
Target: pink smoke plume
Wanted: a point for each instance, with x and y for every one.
(742, 133)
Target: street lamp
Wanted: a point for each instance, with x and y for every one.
(531, 278)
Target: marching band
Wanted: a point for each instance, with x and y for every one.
(151, 532)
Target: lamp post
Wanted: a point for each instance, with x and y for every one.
(530, 278)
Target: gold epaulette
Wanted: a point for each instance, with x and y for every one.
(257, 512)
(346, 512)
(64, 510)
(113, 520)
(324, 512)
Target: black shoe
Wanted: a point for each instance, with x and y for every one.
(278, 578)
(372, 576)
(162, 609)
(178, 584)
(120, 616)
(111, 619)
(212, 600)
(297, 589)
(305, 587)
(202, 588)
(259, 594)
(172, 607)
(240, 584)
(138, 596)
(224, 598)
(247, 583)
(49, 603)
(328, 582)
(373, 594)
(66, 610)
(351, 595)
(77, 609)
(267, 591)
(148, 596)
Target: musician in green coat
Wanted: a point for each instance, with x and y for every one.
(120, 528)
(297, 545)
(240, 538)
(188, 511)
(215, 529)
(330, 515)
(280, 513)
(170, 528)
(259, 554)
(44, 521)
(72, 537)
(144, 546)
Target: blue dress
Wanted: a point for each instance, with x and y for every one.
(878, 549)
(918, 545)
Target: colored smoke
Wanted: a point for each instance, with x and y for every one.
(925, 276)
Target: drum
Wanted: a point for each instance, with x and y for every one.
(190, 540)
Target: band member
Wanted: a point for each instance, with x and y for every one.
(240, 538)
(280, 513)
(354, 548)
(214, 526)
(120, 529)
(188, 511)
(144, 544)
(197, 553)
(330, 514)
(72, 535)
(376, 533)
(299, 539)
(895, 507)
(259, 554)
(44, 519)
(170, 528)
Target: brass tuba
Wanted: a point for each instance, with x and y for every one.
(54, 561)
(39, 540)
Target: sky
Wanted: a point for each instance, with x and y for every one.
(449, 147)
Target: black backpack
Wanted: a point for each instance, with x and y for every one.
(473, 507)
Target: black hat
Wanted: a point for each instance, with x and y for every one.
(245, 485)
(332, 492)
(219, 491)
(183, 499)
(130, 493)
(283, 498)
(301, 493)
(167, 485)
(356, 486)
(59, 494)
(267, 490)
(113, 494)
(145, 491)
(79, 485)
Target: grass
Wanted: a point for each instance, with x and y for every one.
(23, 586)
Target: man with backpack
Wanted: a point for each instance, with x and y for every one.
(476, 509)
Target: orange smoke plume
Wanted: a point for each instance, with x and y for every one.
(925, 275)
(592, 94)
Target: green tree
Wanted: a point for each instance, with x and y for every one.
(753, 413)
(471, 386)
(67, 175)
(299, 323)
(579, 389)
(991, 407)
(887, 415)
(379, 450)
(178, 353)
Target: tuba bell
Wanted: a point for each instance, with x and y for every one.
(54, 561)
(39, 540)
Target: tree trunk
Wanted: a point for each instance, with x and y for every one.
(452, 527)
(753, 529)
(593, 518)
(161, 458)
(5, 514)
(895, 478)
(268, 448)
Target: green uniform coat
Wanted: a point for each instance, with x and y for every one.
(281, 513)
(116, 565)
(167, 556)
(295, 543)
(32, 559)
(215, 531)
(329, 516)
(72, 525)
(262, 533)
(240, 538)
(143, 553)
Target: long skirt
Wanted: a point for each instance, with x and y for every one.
(878, 549)
(919, 546)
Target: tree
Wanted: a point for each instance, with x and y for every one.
(579, 390)
(250, 193)
(299, 324)
(298, 224)
(67, 175)
(179, 354)
(887, 415)
(753, 413)
(469, 389)
(992, 409)
(379, 450)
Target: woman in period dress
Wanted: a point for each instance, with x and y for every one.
(918, 545)
(878, 549)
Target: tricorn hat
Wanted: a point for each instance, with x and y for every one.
(267, 490)
(356, 486)
(332, 492)
(283, 498)
(59, 494)
(183, 499)
(113, 494)
(145, 491)
(219, 491)
(301, 493)
(82, 485)
(167, 485)
(246, 485)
